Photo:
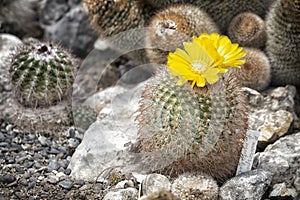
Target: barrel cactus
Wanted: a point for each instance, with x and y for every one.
(42, 74)
(248, 29)
(176, 23)
(283, 43)
(198, 123)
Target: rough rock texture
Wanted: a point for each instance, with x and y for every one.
(195, 186)
(250, 185)
(281, 158)
(112, 133)
(280, 190)
(273, 112)
(66, 22)
(154, 183)
(122, 194)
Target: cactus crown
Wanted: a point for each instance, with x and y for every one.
(42, 74)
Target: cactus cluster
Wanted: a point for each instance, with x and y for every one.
(283, 44)
(256, 72)
(248, 29)
(177, 25)
(41, 75)
(184, 129)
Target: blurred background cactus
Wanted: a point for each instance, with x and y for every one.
(283, 43)
(248, 29)
(256, 72)
(20, 18)
(176, 23)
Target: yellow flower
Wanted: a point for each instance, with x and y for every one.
(228, 54)
(204, 58)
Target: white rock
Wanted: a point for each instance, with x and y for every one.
(122, 194)
(280, 190)
(154, 183)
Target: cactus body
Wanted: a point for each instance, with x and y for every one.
(248, 29)
(256, 72)
(184, 129)
(177, 23)
(283, 43)
(42, 74)
(113, 17)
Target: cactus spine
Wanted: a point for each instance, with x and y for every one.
(248, 29)
(184, 129)
(176, 23)
(283, 43)
(256, 72)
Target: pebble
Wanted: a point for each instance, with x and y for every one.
(53, 165)
(66, 184)
(7, 178)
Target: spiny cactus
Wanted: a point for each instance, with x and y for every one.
(283, 43)
(248, 29)
(20, 18)
(195, 186)
(160, 195)
(42, 74)
(176, 23)
(112, 17)
(256, 72)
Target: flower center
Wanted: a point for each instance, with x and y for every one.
(199, 66)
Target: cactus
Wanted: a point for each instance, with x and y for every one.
(248, 29)
(176, 23)
(198, 123)
(112, 17)
(20, 18)
(195, 186)
(283, 43)
(161, 194)
(42, 74)
(256, 72)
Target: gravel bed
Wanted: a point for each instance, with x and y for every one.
(34, 166)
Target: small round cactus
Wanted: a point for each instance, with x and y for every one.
(283, 43)
(173, 25)
(248, 29)
(42, 74)
(256, 72)
(195, 186)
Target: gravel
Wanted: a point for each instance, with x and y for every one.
(34, 166)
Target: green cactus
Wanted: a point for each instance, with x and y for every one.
(248, 29)
(42, 74)
(283, 43)
(112, 17)
(256, 72)
(184, 129)
(176, 23)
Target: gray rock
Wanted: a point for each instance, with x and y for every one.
(281, 158)
(195, 186)
(280, 190)
(122, 194)
(106, 141)
(272, 111)
(66, 184)
(249, 185)
(7, 178)
(154, 183)
(66, 22)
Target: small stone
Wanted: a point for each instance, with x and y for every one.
(280, 190)
(80, 182)
(38, 165)
(23, 181)
(154, 183)
(53, 165)
(42, 140)
(7, 178)
(71, 133)
(122, 194)
(28, 165)
(19, 169)
(68, 171)
(53, 179)
(66, 184)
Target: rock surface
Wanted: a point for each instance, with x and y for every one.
(154, 183)
(250, 185)
(281, 158)
(122, 194)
